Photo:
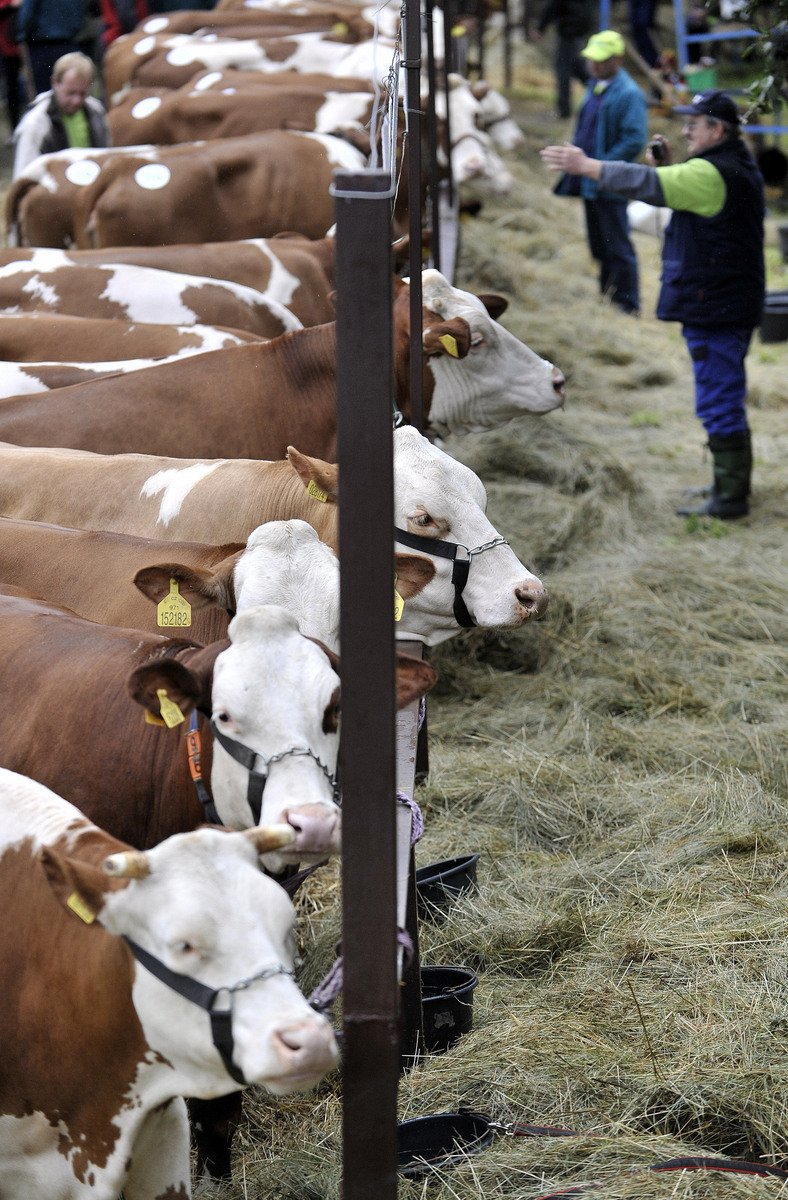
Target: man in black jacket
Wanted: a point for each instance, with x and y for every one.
(712, 272)
(574, 21)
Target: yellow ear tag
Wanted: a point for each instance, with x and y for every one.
(151, 720)
(171, 715)
(449, 344)
(458, 31)
(78, 906)
(316, 492)
(399, 603)
(340, 29)
(174, 612)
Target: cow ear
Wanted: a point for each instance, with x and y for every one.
(414, 572)
(199, 587)
(496, 305)
(331, 715)
(322, 475)
(452, 338)
(414, 679)
(78, 886)
(182, 687)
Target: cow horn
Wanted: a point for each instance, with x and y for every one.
(129, 864)
(270, 837)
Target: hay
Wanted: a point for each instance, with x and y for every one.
(620, 767)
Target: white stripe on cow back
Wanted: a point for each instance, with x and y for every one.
(34, 813)
(176, 484)
(338, 152)
(340, 109)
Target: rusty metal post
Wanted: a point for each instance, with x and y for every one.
(366, 519)
(412, 66)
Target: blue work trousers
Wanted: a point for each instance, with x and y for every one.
(610, 244)
(720, 379)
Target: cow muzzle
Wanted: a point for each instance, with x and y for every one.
(317, 829)
(532, 599)
(305, 1051)
(559, 384)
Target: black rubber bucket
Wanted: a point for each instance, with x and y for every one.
(774, 323)
(447, 1005)
(441, 1140)
(439, 884)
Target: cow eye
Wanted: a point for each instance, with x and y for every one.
(185, 948)
(223, 718)
(423, 520)
(477, 341)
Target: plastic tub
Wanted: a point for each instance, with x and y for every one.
(441, 1140)
(447, 1005)
(439, 884)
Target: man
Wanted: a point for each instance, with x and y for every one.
(49, 29)
(611, 125)
(65, 116)
(712, 271)
(574, 20)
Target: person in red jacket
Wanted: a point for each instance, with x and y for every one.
(119, 17)
(11, 62)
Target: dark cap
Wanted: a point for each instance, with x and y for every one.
(711, 104)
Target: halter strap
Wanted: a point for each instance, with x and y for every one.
(460, 566)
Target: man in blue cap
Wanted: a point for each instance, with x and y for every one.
(713, 276)
(610, 125)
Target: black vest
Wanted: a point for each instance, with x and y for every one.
(712, 267)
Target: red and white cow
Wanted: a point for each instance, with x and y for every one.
(50, 281)
(33, 337)
(437, 499)
(91, 1099)
(283, 392)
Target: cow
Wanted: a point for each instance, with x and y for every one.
(437, 500)
(31, 337)
(40, 201)
(30, 379)
(268, 688)
(476, 375)
(187, 115)
(495, 117)
(254, 186)
(51, 282)
(294, 270)
(94, 573)
(91, 1102)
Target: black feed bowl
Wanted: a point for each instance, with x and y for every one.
(439, 884)
(447, 1005)
(441, 1140)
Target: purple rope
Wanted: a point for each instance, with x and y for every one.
(326, 992)
(422, 711)
(417, 822)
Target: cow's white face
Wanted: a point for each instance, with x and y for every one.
(273, 691)
(473, 156)
(498, 379)
(206, 910)
(286, 563)
(495, 119)
(443, 500)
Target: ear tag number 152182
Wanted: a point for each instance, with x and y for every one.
(174, 611)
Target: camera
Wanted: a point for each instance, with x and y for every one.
(657, 151)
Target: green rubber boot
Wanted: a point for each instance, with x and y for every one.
(729, 497)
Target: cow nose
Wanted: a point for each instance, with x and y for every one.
(533, 598)
(307, 1045)
(559, 383)
(317, 828)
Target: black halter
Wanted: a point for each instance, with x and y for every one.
(206, 998)
(257, 780)
(460, 566)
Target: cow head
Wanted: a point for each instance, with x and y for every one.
(477, 375)
(199, 904)
(495, 117)
(273, 694)
(439, 500)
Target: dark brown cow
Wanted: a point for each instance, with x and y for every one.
(42, 337)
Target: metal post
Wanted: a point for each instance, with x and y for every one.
(432, 136)
(366, 515)
(413, 150)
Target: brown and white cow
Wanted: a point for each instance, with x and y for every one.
(269, 688)
(49, 281)
(94, 573)
(35, 337)
(188, 115)
(91, 1097)
(294, 270)
(283, 392)
(436, 499)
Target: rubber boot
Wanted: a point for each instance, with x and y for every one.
(732, 470)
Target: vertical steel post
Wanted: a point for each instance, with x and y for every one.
(365, 370)
(432, 137)
(413, 149)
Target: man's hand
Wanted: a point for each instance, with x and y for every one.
(664, 154)
(570, 159)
